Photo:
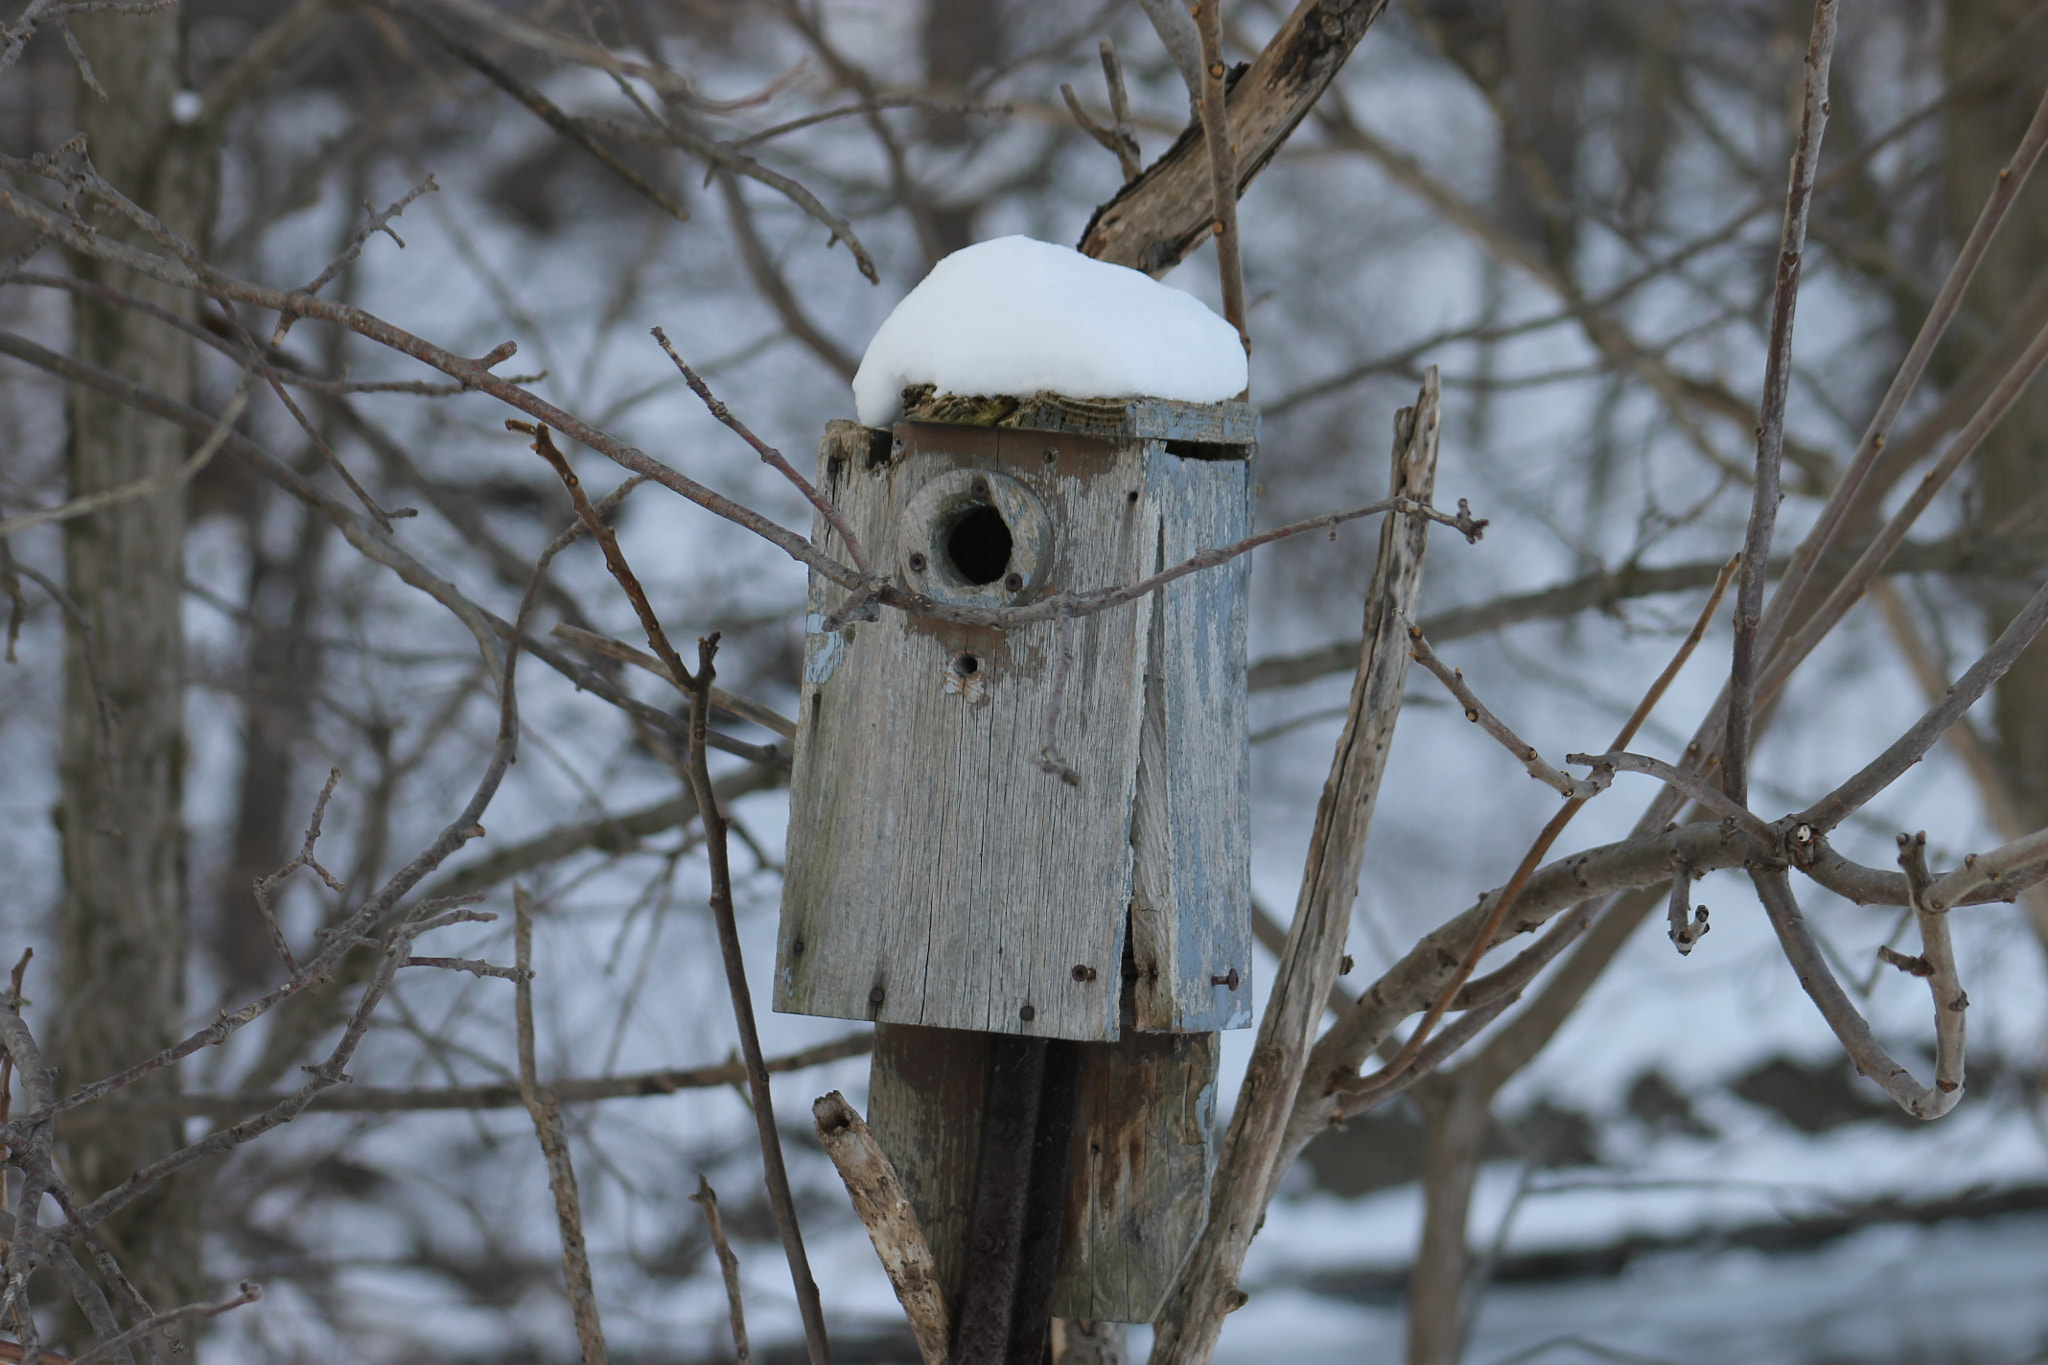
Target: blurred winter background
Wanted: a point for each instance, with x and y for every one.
(1570, 206)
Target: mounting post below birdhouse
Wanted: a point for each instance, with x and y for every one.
(943, 883)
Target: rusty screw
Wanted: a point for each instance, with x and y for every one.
(1230, 981)
(1083, 972)
(1027, 1014)
(979, 488)
(917, 561)
(796, 948)
(1014, 582)
(875, 996)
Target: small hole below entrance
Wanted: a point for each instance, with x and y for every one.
(979, 544)
(966, 665)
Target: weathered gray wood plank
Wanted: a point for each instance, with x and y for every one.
(936, 875)
(1199, 885)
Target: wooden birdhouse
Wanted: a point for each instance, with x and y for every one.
(946, 883)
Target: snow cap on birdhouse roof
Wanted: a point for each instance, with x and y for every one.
(1019, 317)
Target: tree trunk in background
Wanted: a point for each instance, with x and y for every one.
(1985, 124)
(1457, 1112)
(281, 680)
(961, 39)
(121, 928)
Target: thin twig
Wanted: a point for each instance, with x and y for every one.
(554, 1146)
(1358, 1089)
(249, 1294)
(770, 456)
(540, 105)
(1476, 711)
(1829, 525)
(1222, 166)
(729, 702)
(1980, 870)
(266, 887)
(1774, 888)
(1684, 924)
(473, 965)
(1117, 139)
(106, 497)
(365, 1099)
(1912, 746)
(1690, 783)
(729, 1266)
(1770, 437)
(319, 442)
(763, 1099)
(1792, 651)
(378, 221)
(614, 558)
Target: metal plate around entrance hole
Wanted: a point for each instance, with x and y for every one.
(947, 542)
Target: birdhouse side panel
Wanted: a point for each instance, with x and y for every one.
(937, 875)
(1191, 921)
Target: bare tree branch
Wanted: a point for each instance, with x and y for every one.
(729, 1267)
(1476, 711)
(369, 1099)
(1912, 746)
(546, 1113)
(877, 1194)
(1157, 220)
(1770, 432)
(1222, 166)
(1850, 1027)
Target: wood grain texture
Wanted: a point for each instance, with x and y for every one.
(925, 1091)
(937, 876)
(1191, 933)
(1137, 1170)
(1157, 220)
(1138, 1182)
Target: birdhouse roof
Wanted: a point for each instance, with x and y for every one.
(1019, 317)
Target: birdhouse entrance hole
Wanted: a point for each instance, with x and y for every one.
(976, 537)
(979, 544)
